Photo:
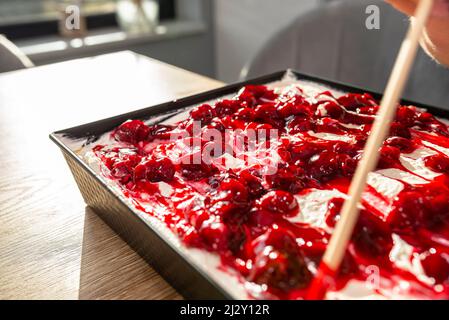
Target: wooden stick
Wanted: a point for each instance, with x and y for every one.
(338, 243)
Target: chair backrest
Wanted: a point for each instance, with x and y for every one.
(11, 58)
(332, 41)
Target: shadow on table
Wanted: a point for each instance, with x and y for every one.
(110, 269)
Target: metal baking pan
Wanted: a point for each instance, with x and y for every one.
(156, 247)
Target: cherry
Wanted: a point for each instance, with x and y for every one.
(203, 113)
(196, 172)
(436, 264)
(287, 180)
(370, 239)
(280, 202)
(286, 110)
(237, 238)
(437, 210)
(215, 235)
(280, 270)
(408, 211)
(323, 166)
(406, 115)
(389, 156)
(352, 101)
(122, 168)
(284, 154)
(262, 218)
(330, 125)
(253, 183)
(334, 208)
(132, 131)
(425, 117)
(438, 163)
(267, 113)
(230, 201)
(404, 145)
(400, 130)
(331, 109)
(245, 114)
(217, 124)
(226, 107)
(155, 170)
(234, 191)
(371, 110)
(160, 131)
(347, 164)
(300, 124)
(217, 179)
(303, 151)
(279, 263)
(252, 94)
(342, 147)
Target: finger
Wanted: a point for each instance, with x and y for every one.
(406, 6)
(441, 7)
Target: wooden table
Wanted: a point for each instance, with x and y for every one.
(51, 245)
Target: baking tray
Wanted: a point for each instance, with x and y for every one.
(188, 277)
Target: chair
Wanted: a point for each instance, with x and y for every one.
(11, 58)
(332, 41)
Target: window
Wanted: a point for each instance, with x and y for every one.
(21, 19)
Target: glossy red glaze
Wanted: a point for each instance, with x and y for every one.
(244, 216)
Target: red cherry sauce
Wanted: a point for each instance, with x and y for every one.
(245, 216)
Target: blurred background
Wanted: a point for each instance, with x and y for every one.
(224, 39)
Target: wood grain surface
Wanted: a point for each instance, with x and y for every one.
(51, 245)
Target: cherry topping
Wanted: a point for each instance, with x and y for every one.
(244, 215)
(203, 113)
(280, 202)
(132, 131)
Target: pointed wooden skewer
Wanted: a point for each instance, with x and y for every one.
(349, 215)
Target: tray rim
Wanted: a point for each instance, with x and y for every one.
(188, 101)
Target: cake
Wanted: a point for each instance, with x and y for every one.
(251, 185)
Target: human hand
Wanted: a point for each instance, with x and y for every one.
(440, 8)
(436, 37)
